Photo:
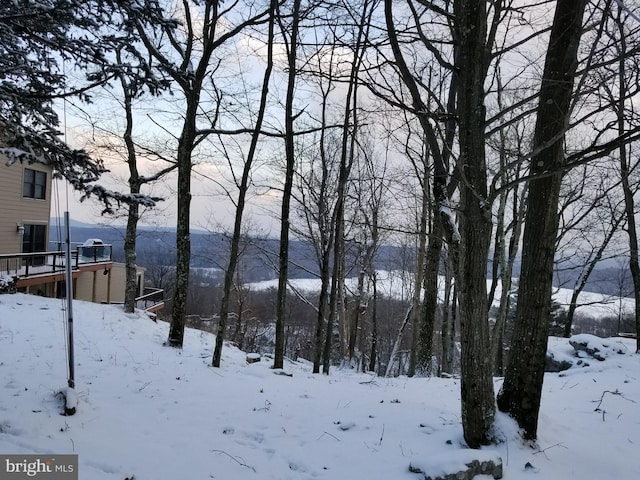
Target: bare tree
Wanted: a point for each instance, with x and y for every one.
(316, 182)
(322, 188)
(131, 90)
(369, 193)
(510, 217)
(472, 56)
(315, 195)
(522, 387)
(625, 153)
(187, 56)
(437, 154)
(283, 265)
(243, 187)
(586, 232)
(350, 128)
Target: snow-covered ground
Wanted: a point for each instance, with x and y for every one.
(150, 412)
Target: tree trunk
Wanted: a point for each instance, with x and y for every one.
(452, 327)
(374, 326)
(447, 331)
(440, 155)
(133, 216)
(183, 239)
(593, 262)
(322, 313)
(429, 306)
(471, 60)
(359, 314)
(242, 196)
(629, 202)
(522, 387)
(349, 130)
(497, 338)
(325, 243)
(278, 361)
(398, 342)
(426, 276)
(335, 296)
(131, 270)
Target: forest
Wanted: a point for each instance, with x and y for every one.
(472, 133)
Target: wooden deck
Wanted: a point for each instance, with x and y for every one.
(40, 268)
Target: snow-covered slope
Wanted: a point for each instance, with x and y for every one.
(399, 285)
(146, 411)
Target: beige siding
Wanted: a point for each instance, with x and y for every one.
(104, 288)
(118, 276)
(43, 289)
(84, 285)
(94, 286)
(16, 210)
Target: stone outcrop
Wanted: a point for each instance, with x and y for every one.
(552, 364)
(459, 465)
(595, 347)
(253, 357)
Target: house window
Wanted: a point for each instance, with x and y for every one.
(35, 184)
(34, 239)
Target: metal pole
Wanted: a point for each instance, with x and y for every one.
(69, 292)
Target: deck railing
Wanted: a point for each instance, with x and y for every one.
(151, 300)
(23, 265)
(38, 263)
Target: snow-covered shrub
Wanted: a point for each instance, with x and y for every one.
(7, 284)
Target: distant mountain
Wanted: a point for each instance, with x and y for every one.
(156, 246)
(59, 222)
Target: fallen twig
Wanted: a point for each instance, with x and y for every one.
(615, 392)
(235, 459)
(549, 447)
(327, 433)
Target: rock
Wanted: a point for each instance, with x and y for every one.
(551, 364)
(253, 357)
(595, 347)
(584, 347)
(459, 465)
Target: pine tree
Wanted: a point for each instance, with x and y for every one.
(36, 45)
(41, 43)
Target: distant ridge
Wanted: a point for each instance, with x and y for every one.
(209, 249)
(55, 221)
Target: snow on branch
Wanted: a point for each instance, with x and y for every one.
(446, 213)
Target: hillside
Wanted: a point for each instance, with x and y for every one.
(147, 411)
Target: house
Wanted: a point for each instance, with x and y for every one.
(25, 196)
(36, 264)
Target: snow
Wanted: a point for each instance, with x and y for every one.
(71, 401)
(598, 347)
(148, 411)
